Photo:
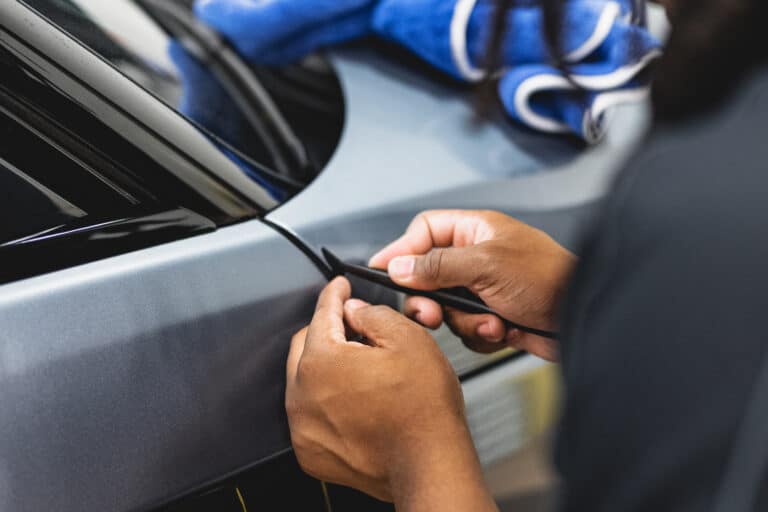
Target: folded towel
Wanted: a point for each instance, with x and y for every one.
(453, 35)
(604, 42)
(540, 97)
(274, 32)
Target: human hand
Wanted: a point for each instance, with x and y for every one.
(517, 270)
(386, 417)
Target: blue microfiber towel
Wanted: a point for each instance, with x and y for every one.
(542, 98)
(453, 35)
(274, 32)
(604, 42)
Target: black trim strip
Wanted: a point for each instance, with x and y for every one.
(304, 247)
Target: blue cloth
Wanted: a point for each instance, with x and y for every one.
(439, 32)
(274, 32)
(605, 48)
(611, 73)
(540, 97)
(604, 42)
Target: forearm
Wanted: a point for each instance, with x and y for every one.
(446, 478)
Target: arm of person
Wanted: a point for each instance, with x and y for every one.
(517, 270)
(385, 417)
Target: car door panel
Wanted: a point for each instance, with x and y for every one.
(134, 379)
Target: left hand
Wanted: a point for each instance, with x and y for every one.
(386, 417)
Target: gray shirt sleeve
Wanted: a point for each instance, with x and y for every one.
(665, 325)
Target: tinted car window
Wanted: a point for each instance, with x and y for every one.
(63, 202)
(28, 208)
(42, 189)
(289, 119)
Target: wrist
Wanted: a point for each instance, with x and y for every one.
(441, 474)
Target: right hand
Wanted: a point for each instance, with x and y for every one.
(515, 269)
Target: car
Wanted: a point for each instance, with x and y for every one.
(163, 205)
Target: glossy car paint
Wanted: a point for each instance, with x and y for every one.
(137, 378)
(130, 380)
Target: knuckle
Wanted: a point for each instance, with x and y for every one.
(494, 217)
(322, 308)
(292, 407)
(306, 368)
(454, 322)
(378, 310)
(422, 218)
(488, 214)
(298, 335)
(486, 254)
(302, 450)
(432, 264)
(426, 214)
(488, 258)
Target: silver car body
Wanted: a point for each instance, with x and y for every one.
(130, 380)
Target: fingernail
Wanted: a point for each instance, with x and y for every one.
(354, 304)
(485, 331)
(402, 267)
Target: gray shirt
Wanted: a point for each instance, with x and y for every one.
(666, 322)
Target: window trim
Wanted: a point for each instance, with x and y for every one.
(96, 239)
(53, 57)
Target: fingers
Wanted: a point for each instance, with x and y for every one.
(436, 228)
(380, 325)
(481, 333)
(425, 311)
(547, 349)
(441, 268)
(295, 353)
(328, 321)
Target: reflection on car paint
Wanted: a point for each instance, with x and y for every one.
(180, 70)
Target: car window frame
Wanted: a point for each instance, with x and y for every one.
(203, 189)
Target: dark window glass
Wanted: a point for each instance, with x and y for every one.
(29, 208)
(43, 190)
(63, 204)
(288, 119)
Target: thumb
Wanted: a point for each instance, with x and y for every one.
(440, 268)
(380, 325)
